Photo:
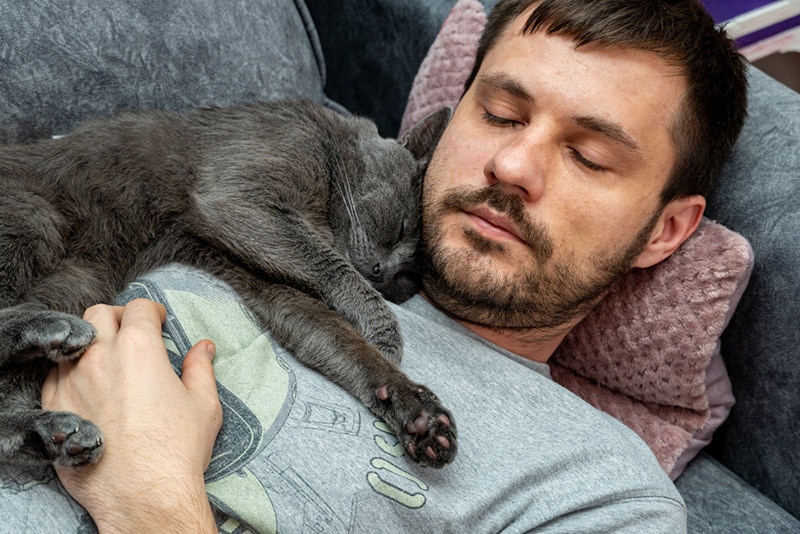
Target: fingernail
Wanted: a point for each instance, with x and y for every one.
(210, 348)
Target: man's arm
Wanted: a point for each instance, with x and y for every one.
(158, 429)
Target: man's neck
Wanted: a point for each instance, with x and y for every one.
(535, 345)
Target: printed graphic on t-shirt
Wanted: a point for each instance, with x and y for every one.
(260, 487)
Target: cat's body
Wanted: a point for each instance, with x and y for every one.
(285, 201)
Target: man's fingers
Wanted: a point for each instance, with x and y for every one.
(198, 373)
(144, 312)
(50, 387)
(104, 318)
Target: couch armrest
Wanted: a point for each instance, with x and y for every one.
(61, 64)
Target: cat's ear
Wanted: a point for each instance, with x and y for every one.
(423, 137)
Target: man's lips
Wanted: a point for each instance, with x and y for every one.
(499, 217)
(493, 225)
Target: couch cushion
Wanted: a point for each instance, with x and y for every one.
(757, 196)
(63, 62)
(717, 501)
(649, 354)
(373, 49)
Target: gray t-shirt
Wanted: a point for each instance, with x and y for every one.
(298, 454)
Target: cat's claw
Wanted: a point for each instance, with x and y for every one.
(69, 440)
(428, 433)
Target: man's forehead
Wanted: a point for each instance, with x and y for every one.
(658, 67)
(623, 96)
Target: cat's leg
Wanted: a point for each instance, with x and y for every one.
(73, 285)
(27, 334)
(45, 323)
(29, 435)
(34, 278)
(283, 245)
(31, 241)
(43, 437)
(322, 340)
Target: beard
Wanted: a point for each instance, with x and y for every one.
(545, 291)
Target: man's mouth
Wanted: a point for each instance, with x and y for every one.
(493, 225)
(498, 218)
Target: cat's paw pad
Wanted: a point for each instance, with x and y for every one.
(428, 432)
(69, 440)
(58, 336)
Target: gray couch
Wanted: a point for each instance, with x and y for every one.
(62, 62)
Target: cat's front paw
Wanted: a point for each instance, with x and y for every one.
(68, 439)
(57, 336)
(425, 427)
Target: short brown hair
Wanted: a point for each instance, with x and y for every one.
(680, 31)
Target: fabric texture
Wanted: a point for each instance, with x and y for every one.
(719, 502)
(373, 49)
(757, 196)
(296, 453)
(442, 73)
(63, 62)
(650, 353)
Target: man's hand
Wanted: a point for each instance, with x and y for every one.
(158, 429)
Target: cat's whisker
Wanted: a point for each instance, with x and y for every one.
(346, 192)
(353, 213)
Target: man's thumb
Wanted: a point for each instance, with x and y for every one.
(198, 374)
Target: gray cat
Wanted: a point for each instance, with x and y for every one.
(294, 205)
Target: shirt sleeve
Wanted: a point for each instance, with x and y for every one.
(634, 516)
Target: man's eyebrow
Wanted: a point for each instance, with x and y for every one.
(610, 130)
(501, 82)
(506, 84)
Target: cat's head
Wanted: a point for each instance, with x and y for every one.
(376, 205)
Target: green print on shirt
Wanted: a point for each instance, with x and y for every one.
(393, 490)
(247, 370)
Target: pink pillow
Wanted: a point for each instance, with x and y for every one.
(649, 354)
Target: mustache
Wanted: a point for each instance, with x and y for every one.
(534, 234)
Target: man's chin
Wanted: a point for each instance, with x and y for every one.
(486, 257)
(475, 288)
(486, 289)
(489, 314)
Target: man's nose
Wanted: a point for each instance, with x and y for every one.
(518, 165)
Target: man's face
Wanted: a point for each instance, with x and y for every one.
(545, 187)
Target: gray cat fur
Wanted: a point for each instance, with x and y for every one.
(292, 204)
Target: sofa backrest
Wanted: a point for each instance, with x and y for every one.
(62, 62)
(759, 197)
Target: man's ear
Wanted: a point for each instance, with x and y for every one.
(679, 219)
